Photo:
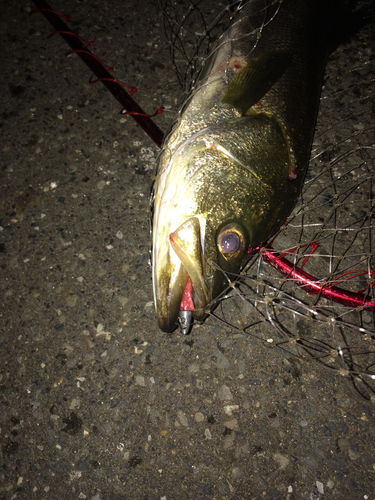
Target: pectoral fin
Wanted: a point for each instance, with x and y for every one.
(254, 80)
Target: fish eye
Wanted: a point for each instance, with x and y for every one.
(232, 241)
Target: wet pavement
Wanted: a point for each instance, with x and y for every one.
(96, 402)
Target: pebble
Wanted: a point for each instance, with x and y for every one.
(224, 393)
(320, 487)
(232, 424)
(199, 417)
(229, 409)
(71, 300)
(182, 418)
(193, 368)
(140, 380)
(220, 360)
(75, 403)
(237, 473)
(207, 434)
(282, 460)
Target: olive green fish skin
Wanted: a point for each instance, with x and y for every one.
(224, 162)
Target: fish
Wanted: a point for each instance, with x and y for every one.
(233, 165)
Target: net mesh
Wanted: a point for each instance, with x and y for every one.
(330, 232)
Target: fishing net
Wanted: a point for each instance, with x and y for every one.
(329, 235)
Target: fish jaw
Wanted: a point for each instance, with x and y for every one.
(186, 243)
(178, 259)
(169, 276)
(178, 235)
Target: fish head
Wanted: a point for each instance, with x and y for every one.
(210, 207)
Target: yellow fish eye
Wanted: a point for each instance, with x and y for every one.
(232, 241)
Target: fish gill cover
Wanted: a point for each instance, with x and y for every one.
(329, 235)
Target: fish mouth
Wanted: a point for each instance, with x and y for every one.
(182, 285)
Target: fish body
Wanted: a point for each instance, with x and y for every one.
(233, 165)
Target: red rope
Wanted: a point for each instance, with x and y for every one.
(132, 89)
(51, 11)
(78, 51)
(159, 111)
(313, 285)
(87, 43)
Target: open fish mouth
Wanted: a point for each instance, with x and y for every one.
(187, 288)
